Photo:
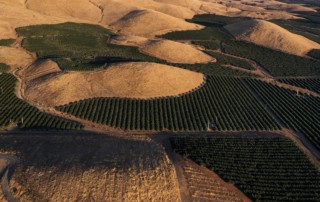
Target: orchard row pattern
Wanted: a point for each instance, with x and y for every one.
(264, 168)
(310, 84)
(299, 112)
(14, 110)
(225, 102)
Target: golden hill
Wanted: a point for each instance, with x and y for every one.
(272, 36)
(176, 52)
(131, 80)
(138, 22)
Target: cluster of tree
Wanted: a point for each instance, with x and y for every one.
(276, 62)
(7, 42)
(297, 111)
(16, 111)
(315, 53)
(310, 84)
(78, 46)
(4, 68)
(264, 168)
(228, 60)
(225, 102)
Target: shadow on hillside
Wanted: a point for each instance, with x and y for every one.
(82, 151)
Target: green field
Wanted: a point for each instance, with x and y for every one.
(302, 27)
(16, 111)
(228, 60)
(276, 62)
(78, 46)
(299, 112)
(209, 45)
(208, 33)
(310, 84)
(211, 20)
(227, 102)
(4, 67)
(307, 2)
(215, 69)
(263, 168)
(6, 42)
(315, 53)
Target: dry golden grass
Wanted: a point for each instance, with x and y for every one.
(268, 9)
(165, 15)
(80, 9)
(176, 52)
(14, 57)
(130, 40)
(40, 69)
(87, 167)
(131, 80)
(139, 22)
(205, 185)
(16, 15)
(273, 36)
(7, 32)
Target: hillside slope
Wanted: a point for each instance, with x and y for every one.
(137, 22)
(131, 80)
(176, 52)
(272, 36)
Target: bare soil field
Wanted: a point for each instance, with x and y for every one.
(88, 167)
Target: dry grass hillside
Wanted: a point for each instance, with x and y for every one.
(267, 9)
(41, 68)
(113, 10)
(81, 9)
(135, 80)
(273, 36)
(276, 5)
(14, 57)
(89, 167)
(137, 22)
(6, 31)
(205, 185)
(166, 15)
(15, 14)
(176, 52)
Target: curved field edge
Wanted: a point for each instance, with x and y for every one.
(15, 111)
(214, 36)
(85, 47)
(88, 166)
(223, 104)
(76, 46)
(299, 112)
(264, 168)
